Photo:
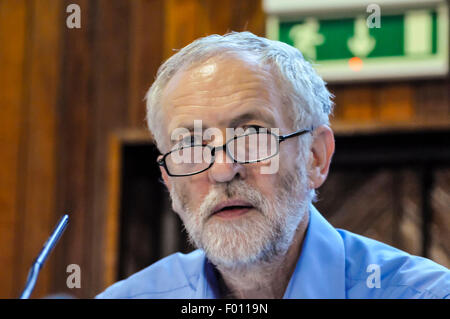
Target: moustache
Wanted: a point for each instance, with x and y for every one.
(234, 190)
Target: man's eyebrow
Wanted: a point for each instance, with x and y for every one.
(252, 115)
(189, 127)
(240, 119)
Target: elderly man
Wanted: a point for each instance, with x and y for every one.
(242, 123)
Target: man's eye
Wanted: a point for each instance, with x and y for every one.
(191, 140)
(253, 128)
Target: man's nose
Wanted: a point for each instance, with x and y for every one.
(224, 170)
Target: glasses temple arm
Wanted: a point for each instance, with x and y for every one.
(284, 137)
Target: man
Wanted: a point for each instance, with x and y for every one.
(243, 126)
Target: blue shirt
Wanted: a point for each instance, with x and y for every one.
(334, 263)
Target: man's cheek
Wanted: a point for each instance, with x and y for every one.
(271, 166)
(264, 184)
(178, 199)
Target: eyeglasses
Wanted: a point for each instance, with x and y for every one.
(243, 149)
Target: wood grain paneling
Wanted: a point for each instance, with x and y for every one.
(74, 191)
(396, 103)
(145, 54)
(110, 113)
(36, 210)
(230, 15)
(357, 104)
(13, 24)
(440, 227)
(29, 61)
(400, 106)
(187, 20)
(247, 16)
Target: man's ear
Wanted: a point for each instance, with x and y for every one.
(165, 177)
(322, 149)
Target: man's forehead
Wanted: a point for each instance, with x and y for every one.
(222, 92)
(214, 74)
(232, 120)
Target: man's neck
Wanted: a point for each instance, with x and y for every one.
(266, 280)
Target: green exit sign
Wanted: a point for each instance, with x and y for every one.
(358, 42)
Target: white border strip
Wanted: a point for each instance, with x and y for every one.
(389, 70)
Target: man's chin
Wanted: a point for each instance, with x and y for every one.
(243, 261)
(231, 261)
(237, 241)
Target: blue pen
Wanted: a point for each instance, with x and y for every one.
(48, 246)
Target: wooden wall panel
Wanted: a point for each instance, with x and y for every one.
(387, 106)
(440, 231)
(74, 190)
(357, 104)
(396, 103)
(13, 24)
(145, 54)
(383, 204)
(230, 15)
(110, 114)
(36, 205)
(29, 61)
(432, 100)
(247, 16)
(187, 20)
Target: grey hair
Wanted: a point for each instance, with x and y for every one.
(299, 85)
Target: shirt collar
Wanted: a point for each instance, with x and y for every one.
(320, 270)
(319, 273)
(208, 285)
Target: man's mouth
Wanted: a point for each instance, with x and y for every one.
(232, 208)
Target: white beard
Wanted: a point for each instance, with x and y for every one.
(259, 236)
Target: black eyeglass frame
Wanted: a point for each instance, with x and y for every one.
(280, 138)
